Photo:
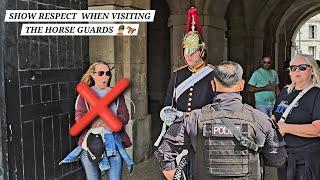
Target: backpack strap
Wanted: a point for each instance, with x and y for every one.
(244, 141)
(293, 103)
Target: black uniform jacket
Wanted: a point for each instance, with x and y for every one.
(195, 97)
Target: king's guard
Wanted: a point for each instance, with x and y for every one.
(189, 86)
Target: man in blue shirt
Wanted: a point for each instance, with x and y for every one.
(264, 84)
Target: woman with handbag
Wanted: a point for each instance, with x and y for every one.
(297, 112)
(98, 147)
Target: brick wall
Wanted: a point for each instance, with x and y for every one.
(40, 74)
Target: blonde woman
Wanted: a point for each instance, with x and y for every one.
(301, 130)
(96, 155)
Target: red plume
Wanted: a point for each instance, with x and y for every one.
(193, 12)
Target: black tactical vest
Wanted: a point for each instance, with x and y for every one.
(223, 155)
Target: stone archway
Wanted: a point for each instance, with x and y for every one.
(284, 29)
(257, 28)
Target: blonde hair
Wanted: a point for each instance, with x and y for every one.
(315, 79)
(87, 78)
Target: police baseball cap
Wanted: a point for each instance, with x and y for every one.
(95, 147)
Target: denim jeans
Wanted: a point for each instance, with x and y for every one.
(266, 109)
(92, 169)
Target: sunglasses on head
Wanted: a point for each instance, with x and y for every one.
(266, 62)
(301, 67)
(101, 73)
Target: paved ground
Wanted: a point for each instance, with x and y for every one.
(271, 173)
(147, 170)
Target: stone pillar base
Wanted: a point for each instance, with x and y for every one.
(140, 129)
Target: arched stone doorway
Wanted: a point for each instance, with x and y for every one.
(257, 28)
(281, 29)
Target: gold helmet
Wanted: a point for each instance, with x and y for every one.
(192, 40)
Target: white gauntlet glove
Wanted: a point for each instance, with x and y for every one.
(167, 114)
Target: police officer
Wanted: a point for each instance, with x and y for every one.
(189, 86)
(231, 140)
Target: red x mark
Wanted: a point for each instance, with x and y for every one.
(98, 107)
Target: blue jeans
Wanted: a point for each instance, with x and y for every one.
(92, 169)
(266, 109)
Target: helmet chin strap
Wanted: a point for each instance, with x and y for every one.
(198, 61)
(198, 65)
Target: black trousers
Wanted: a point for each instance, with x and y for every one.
(300, 172)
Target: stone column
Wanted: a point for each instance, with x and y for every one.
(281, 51)
(245, 45)
(281, 48)
(246, 48)
(129, 56)
(214, 28)
(176, 23)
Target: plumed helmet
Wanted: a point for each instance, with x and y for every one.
(192, 40)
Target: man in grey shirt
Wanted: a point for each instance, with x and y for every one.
(219, 154)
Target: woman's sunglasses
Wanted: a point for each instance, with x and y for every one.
(101, 73)
(301, 67)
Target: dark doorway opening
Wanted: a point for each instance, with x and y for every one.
(159, 66)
